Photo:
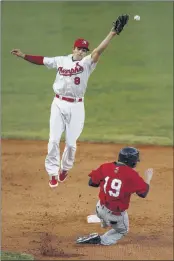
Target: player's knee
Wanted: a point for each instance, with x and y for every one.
(125, 232)
(71, 147)
(71, 151)
(122, 231)
(54, 141)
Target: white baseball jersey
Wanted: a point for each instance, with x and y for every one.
(72, 76)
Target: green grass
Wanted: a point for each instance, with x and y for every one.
(130, 94)
(15, 256)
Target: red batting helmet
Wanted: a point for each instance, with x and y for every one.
(81, 43)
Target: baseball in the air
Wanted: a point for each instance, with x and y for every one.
(137, 18)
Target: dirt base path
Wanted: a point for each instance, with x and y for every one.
(45, 222)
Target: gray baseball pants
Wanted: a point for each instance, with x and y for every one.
(119, 224)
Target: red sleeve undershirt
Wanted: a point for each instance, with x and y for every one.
(34, 59)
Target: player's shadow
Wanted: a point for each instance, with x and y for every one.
(147, 239)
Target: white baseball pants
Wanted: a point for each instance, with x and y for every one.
(69, 117)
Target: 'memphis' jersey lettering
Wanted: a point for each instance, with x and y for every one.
(73, 71)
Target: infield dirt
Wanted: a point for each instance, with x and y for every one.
(45, 222)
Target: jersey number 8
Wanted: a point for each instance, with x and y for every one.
(115, 185)
(77, 80)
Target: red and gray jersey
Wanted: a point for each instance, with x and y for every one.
(117, 184)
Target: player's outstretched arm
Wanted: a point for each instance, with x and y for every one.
(30, 58)
(99, 50)
(118, 26)
(18, 53)
(148, 175)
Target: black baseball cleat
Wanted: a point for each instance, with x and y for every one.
(93, 238)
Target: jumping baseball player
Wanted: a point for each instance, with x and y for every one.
(67, 109)
(117, 182)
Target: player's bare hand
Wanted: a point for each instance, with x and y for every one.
(148, 175)
(18, 53)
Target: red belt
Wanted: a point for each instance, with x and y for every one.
(115, 213)
(118, 213)
(69, 99)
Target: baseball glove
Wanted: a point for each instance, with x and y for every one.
(119, 24)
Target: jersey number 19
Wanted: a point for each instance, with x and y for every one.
(115, 185)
